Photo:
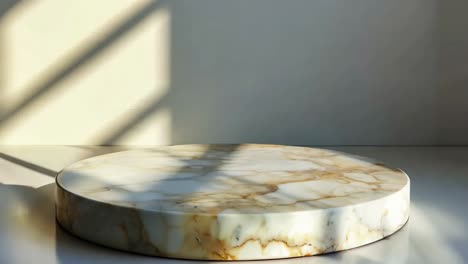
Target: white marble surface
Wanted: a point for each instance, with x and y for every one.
(231, 202)
(436, 233)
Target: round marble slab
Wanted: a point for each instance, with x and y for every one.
(231, 202)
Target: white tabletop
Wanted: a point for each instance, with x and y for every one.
(437, 231)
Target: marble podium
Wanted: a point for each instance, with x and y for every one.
(231, 202)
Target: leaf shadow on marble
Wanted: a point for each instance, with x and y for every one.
(225, 155)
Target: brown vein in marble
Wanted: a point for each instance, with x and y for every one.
(214, 248)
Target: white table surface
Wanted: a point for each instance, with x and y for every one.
(437, 231)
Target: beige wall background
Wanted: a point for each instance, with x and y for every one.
(324, 72)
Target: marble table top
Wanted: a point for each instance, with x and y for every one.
(205, 189)
(231, 179)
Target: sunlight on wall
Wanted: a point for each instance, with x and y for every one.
(85, 72)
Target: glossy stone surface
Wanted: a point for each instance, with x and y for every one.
(231, 202)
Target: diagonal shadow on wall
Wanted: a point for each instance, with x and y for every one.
(5, 6)
(49, 81)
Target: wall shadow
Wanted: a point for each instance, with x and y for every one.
(5, 6)
(452, 69)
(48, 82)
(302, 72)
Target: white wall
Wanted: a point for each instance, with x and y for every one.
(294, 72)
(305, 72)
